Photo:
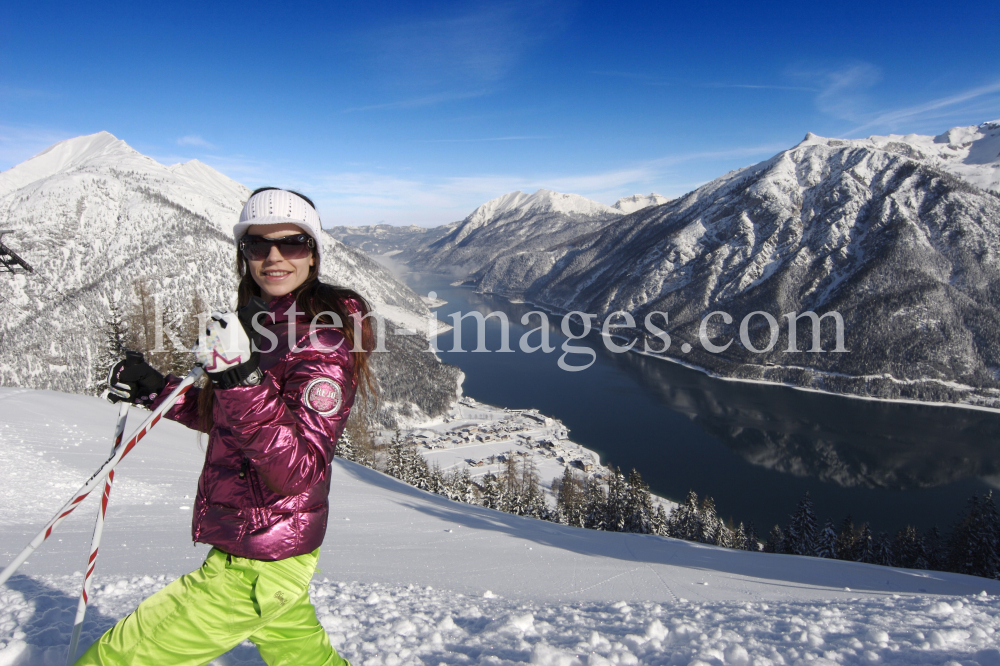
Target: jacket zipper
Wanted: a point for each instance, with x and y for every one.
(247, 472)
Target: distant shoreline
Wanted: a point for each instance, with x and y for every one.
(715, 375)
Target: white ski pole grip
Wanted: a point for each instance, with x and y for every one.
(96, 480)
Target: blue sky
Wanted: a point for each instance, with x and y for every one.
(418, 112)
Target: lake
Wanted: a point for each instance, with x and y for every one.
(756, 449)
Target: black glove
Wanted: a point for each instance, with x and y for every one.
(133, 380)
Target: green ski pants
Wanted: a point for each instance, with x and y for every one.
(208, 612)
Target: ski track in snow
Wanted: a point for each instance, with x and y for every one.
(407, 577)
(383, 625)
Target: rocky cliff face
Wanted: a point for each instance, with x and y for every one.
(898, 239)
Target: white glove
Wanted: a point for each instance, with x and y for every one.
(228, 352)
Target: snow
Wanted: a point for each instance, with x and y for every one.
(407, 577)
(971, 153)
(518, 205)
(638, 202)
(409, 322)
(479, 437)
(63, 156)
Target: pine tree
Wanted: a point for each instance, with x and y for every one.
(775, 541)
(116, 340)
(510, 480)
(740, 539)
(883, 550)
(724, 536)
(974, 544)
(847, 540)
(709, 522)
(826, 545)
(394, 457)
(595, 505)
(616, 506)
(921, 561)
(934, 549)
(907, 548)
(461, 488)
(569, 498)
(492, 492)
(639, 516)
(801, 535)
(864, 547)
(345, 447)
(753, 541)
(660, 521)
(531, 490)
(684, 522)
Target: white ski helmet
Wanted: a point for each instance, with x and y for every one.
(280, 207)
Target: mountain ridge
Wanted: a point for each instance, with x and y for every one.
(903, 247)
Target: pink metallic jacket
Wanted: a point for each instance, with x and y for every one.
(263, 490)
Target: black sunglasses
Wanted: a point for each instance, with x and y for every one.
(257, 248)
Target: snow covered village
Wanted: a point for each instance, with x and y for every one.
(633, 335)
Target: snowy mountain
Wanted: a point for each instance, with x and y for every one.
(96, 218)
(515, 222)
(402, 243)
(386, 239)
(408, 577)
(638, 202)
(888, 231)
(972, 153)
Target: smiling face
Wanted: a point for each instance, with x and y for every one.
(276, 275)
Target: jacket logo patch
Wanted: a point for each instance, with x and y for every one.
(280, 596)
(323, 396)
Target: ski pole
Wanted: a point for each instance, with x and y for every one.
(95, 541)
(99, 475)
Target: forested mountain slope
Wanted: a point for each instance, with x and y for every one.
(890, 232)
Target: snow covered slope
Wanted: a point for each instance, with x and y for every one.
(972, 153)
(515, 222)
(902, 248)
(638, 202)
(94, 217)
(408, 577)
(386, 239)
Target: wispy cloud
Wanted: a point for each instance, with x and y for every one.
(844, 92)
(194, 140)
(481, 46)
(848, 93)
(934, 108)
(451, 56)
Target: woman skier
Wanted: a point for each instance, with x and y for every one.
(273, 417)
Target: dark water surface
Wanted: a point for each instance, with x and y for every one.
(755, 448)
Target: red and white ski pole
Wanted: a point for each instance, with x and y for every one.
(94, 481)
(95, 541)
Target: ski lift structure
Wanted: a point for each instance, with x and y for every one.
(10, 261)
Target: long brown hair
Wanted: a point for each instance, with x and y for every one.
(313, 297)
